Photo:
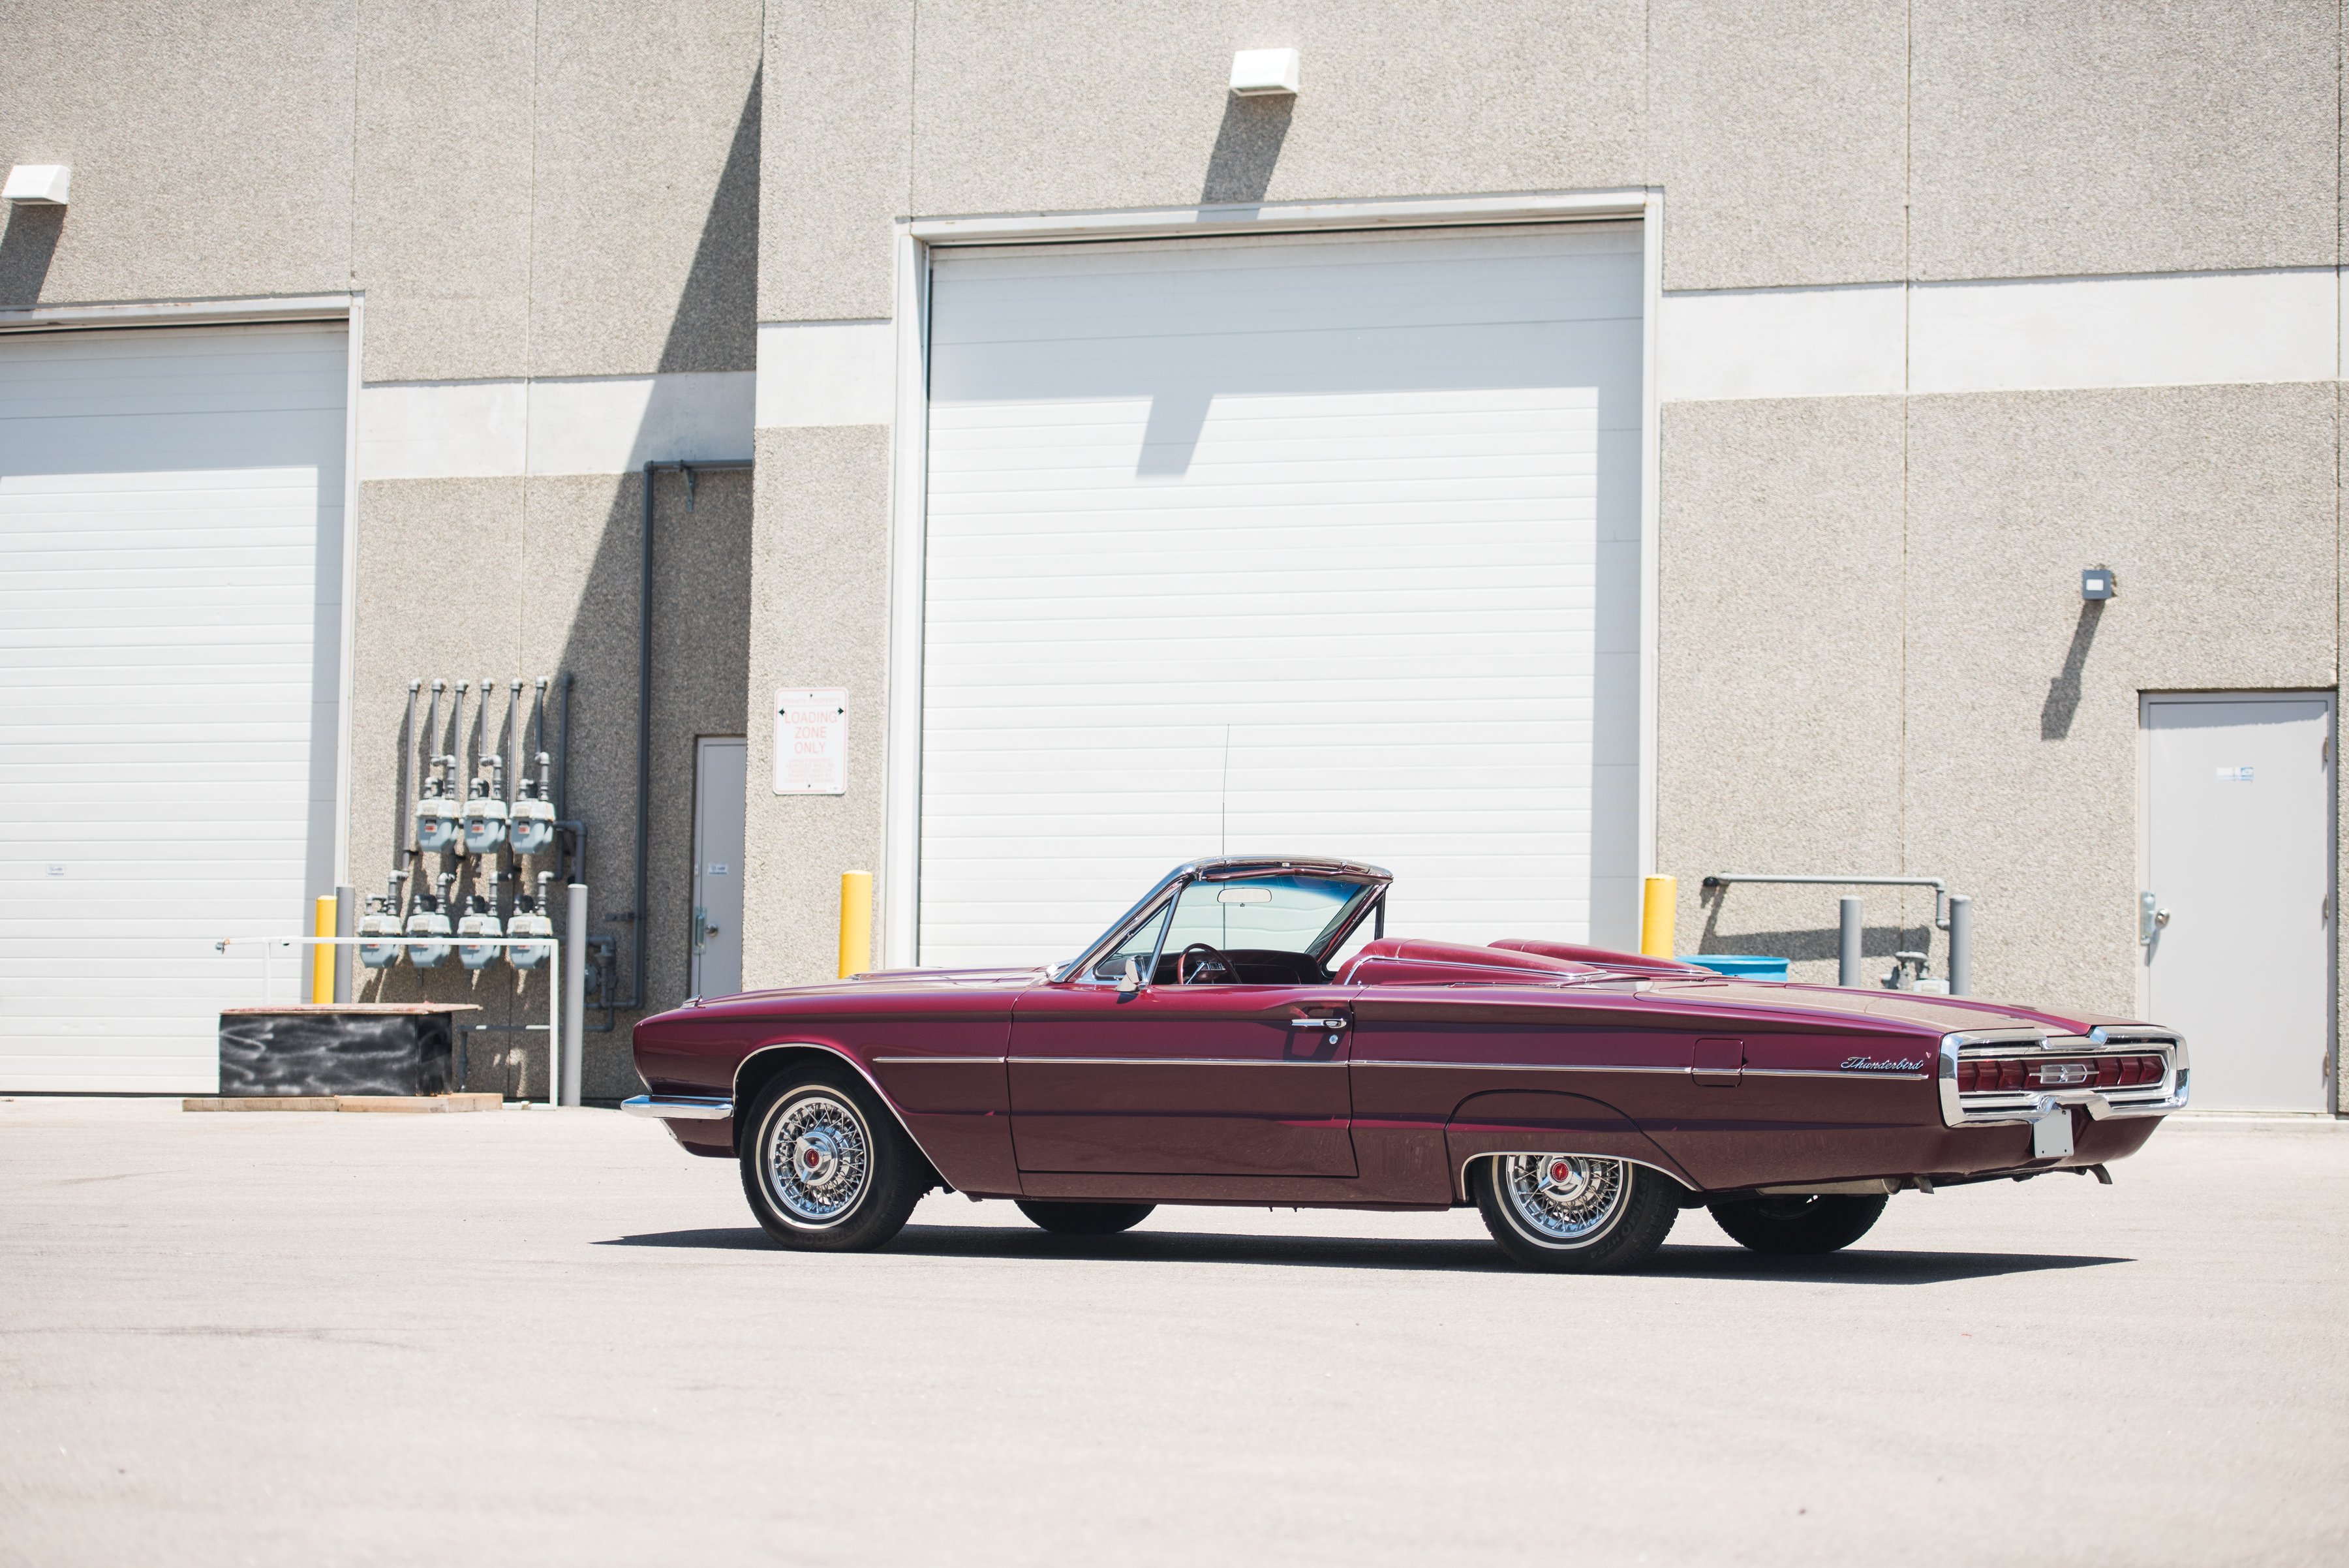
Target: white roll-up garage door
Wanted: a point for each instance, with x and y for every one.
(170, 587)
(1323, 546)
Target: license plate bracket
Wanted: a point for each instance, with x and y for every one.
(2051, 1133)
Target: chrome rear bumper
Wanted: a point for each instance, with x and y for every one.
(679, 1108)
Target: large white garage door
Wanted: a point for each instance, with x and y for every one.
(171, 582)
(1323, 546)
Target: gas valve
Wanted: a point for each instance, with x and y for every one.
(530, 920)
(430, 917)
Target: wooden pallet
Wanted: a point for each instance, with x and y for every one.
(408, 1104)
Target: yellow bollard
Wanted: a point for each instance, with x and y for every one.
(322, 958)
(855, 922)
(1659, 911)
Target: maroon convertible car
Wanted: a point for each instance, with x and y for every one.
(1212, 1047)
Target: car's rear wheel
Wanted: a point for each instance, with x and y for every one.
(1817, 1222)
(826, 1168)
(1574, 1212)
(1086, 1219)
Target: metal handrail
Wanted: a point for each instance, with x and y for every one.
(553, 945)
(1940, 886)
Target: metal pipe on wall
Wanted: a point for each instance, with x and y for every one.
(573, 1045)
(1962, 945)
(1851, 928)
(635, 915)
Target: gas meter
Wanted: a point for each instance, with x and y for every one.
(479, 920)
(381, 919)
(430, 917)
(530, 820)
(485, 811)
(530, 920)
(439, 817)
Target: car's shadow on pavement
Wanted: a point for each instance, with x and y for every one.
(1861, 1266)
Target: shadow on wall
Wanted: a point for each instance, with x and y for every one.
(27, 246)
(717, 323)
(2064, 692)
(1247, 146)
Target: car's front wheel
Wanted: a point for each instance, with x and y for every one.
(1086, 1219)
(1573, 1213)
(1813, 1223)
(826, 1168)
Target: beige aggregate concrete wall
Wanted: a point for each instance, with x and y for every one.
(444, 143)
(530, 577)
(1760, 112)
(210, 143)
(2111, 138)
(818, 617)
(1779, 681)
(837, 158)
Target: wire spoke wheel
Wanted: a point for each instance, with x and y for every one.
(1565, 1200)
(817, 1157)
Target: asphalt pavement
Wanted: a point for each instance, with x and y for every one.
(551, 1336)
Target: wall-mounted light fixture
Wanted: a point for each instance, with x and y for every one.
(1259, 73)
(43, 183)
(2097, 583)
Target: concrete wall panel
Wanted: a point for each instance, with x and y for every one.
(645, 220)
(2112, 138)
(441, 228)
(1778, 133)
(819, 617)
(2216, 507)
(1022, 105)
(210, 146)
(838, 157)
(1779, 691)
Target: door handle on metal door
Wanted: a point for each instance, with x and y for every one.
(702, 929)
(2151, 916)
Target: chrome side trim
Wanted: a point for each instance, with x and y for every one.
(1835, 1073)
(937, 1061)
(1460, 1177)
(679, 1108)
(1155, 1061)
(1524, 1068)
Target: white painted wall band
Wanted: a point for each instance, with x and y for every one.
(2002, 336)
(827, 373)
(506, 428)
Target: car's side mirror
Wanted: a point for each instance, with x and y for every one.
(1129, 982)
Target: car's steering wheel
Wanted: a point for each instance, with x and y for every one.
(1216, 958)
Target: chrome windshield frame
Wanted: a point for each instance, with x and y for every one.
(1374, 879)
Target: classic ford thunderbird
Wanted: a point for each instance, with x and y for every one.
(1249, 1034)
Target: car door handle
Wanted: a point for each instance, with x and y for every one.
(1317, 1023)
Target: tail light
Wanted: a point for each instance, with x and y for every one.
(2011, 1075)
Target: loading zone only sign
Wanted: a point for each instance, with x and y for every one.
(810, 742)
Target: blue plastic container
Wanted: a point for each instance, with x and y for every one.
(1743, 966)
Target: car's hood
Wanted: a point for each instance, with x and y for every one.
(1932, 1014)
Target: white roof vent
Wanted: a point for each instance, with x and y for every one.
(41, 183)
(1257, 73)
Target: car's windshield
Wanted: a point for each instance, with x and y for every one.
(1287, 913)
(1286, 918)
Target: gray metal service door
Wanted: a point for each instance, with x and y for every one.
(718, 818)
(2239, 865)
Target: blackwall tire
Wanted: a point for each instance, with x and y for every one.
(1086, 1219)
(1793, 1227)
(1573, 1214)
(826, 1166)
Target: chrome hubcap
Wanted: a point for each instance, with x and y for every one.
(818, 1159)
(1565, 1199)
